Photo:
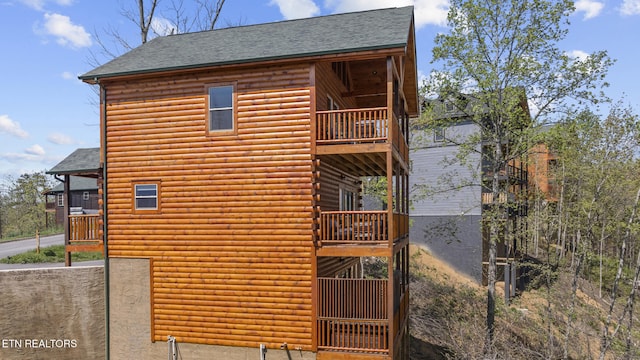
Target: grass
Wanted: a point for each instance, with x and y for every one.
(51, 254)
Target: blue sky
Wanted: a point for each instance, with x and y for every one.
(46, 112)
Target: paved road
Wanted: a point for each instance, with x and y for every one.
(16, 247)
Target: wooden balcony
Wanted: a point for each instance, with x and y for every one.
(84, 234)
(354, 227)
(352, 126)
(353, 315)
(366, 126)
(487, 198)
(83, 228)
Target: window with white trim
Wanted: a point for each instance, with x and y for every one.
(221, 111)
(85, 196)
(60, 200)
(146, 196)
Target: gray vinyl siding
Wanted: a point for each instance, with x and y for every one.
(456, 240)
(434, 166)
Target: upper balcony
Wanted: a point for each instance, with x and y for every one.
(364, 130)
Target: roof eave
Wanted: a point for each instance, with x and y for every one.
(95, 78)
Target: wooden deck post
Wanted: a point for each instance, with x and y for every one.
(67, 210)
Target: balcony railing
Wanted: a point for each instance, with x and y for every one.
(354, 227)
(353, 315)
(352, 125)
(84, 228)
(487, 198)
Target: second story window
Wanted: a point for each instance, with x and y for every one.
(221, 111)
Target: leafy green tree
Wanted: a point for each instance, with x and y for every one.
(24, 204)
(596, 210)
(507, 54)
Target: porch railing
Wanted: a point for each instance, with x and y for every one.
(340, 227)
(352, 125)
(353, 315)
(84, 228)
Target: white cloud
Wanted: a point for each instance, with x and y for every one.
(578, 55)
(426, 11)
(35, 149)
(590, 8)
(11, 127)
(162, 26)
(67, 75)
(68, 34)
(39, 4)
(432, 12)
(630, 7)
(60, 139)
(34, 4)
(296, 9)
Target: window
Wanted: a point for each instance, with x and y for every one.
(85, 196)
(449, 107)
(331, 104)
(60, 200)
(347, 200)
(438, 134)
(145, 196)
(221, 109)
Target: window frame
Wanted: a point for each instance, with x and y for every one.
(135, 197)
(233, 108)
(85, 196)
(60, 200)
(347, 200)
(439, 134)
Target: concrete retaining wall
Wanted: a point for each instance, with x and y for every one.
(55, 313)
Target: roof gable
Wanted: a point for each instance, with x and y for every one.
(81, 161)
(332, 34)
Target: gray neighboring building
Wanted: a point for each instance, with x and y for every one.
(448, 221)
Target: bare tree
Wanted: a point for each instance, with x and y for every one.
(152, 17)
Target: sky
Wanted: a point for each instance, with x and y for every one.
(46, 112)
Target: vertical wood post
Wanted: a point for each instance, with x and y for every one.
(67, 209)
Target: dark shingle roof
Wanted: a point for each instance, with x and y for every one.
(81, 161)
(78, 183)
(333, 34)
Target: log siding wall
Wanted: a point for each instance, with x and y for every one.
(231, 249)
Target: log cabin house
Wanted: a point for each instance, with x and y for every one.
(232, 164)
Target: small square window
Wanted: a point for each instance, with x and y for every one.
(85, 196)
(221, 108)
(146, 196)
(449, 107)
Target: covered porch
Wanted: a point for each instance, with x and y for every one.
(83, 232)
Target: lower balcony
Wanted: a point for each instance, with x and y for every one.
(353, 315)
